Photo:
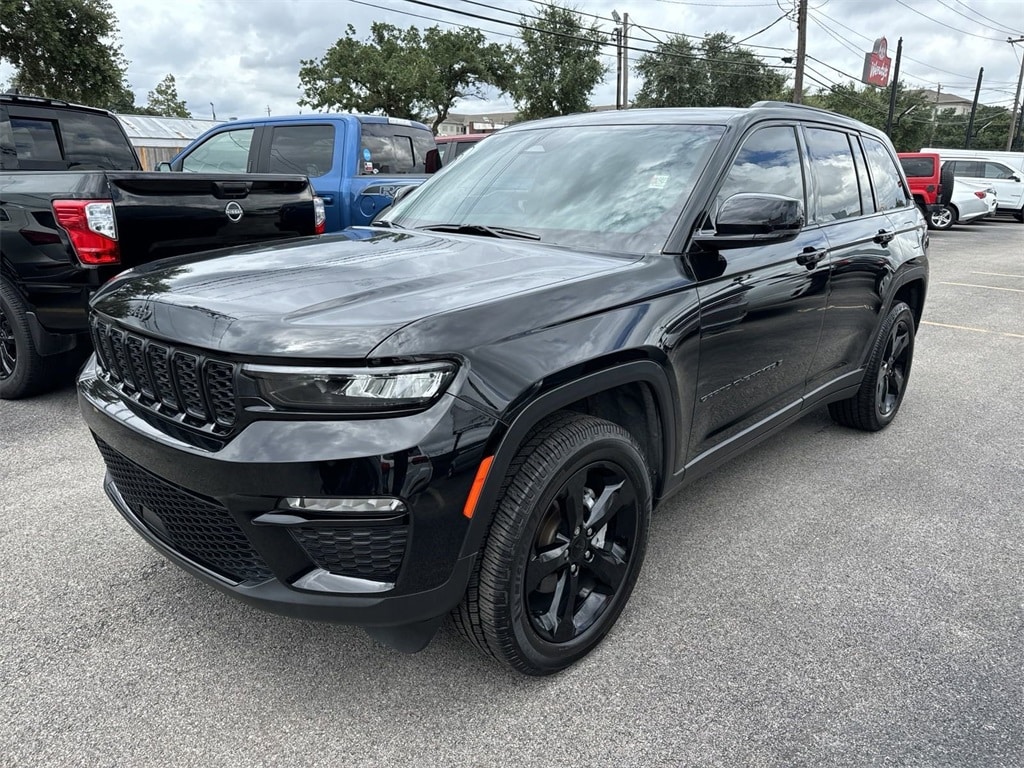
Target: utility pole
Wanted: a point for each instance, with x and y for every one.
(625, 61)
(618, 66)
(801, 51)
(894, 86)
(974, 109)
(935, 115)
(1016, 96)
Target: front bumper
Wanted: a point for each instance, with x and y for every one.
(217, 512)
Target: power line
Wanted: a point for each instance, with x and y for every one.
(645, 27)
(973, 21)
(608, 43)
(944, 24)
(972, 10)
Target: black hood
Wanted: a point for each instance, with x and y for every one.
(337, 296)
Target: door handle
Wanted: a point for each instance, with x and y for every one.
(810, 256)
(328, 199)
(884, 237)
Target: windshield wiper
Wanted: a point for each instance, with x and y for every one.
(481, 229)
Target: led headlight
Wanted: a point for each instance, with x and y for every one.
(351, 389)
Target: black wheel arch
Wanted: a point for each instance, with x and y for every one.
(638, 395)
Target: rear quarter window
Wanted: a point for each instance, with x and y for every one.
(885, 176)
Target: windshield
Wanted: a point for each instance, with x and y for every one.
(605, 188)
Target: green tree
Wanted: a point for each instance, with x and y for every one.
(163, 100)
(991, 127)
(717, 74)
(458, 64)
(64, 49)
(558, 65)
(379, 76)
(911, 118)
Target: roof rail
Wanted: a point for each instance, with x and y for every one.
(784, 104)
(14, 95)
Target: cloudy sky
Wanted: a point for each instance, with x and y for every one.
(243, 55)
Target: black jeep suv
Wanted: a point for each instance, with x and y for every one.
(473, 406)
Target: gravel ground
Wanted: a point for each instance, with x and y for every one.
(829, 598)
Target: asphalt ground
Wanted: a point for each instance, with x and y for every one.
(829, 598)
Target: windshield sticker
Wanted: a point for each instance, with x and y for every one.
(658, 181)
(366, 154)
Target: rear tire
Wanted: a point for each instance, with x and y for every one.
(23, 371)
(885, 380)
(565, 546)
(942, 218)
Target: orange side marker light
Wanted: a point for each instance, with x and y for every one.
(478, 486)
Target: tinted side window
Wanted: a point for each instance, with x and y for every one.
(35, 139)
(768, 163)
(867, 202)
(835, 175)
(889, 190)
(967, 168)
(305, 149)
(95, 141)
(997, 171)
(226, 152)
(463, 147)
(390, 148)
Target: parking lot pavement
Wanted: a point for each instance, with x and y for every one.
(829, 598)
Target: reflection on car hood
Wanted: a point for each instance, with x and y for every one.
(337, 296)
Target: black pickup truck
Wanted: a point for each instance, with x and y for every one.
(76, 209)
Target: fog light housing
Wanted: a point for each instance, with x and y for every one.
(384, 506)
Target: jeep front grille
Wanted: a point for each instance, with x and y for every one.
(168, 379)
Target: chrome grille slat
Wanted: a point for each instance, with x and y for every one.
(168, 379)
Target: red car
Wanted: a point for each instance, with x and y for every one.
(451, 147)
(930, 190)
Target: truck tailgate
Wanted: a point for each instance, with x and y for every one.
(165, 214)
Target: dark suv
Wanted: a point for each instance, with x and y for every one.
(474, 406)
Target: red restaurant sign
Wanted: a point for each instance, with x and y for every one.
(876, 65)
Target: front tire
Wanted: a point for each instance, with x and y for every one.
(565, 546)
(885, 381)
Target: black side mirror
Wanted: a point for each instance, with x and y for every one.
(432, 162)
(746, 220)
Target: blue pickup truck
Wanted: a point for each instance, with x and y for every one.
(355, 163)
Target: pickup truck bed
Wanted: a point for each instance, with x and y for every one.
(64, 231)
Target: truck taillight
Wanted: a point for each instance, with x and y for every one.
(91, 227)
(319, 215)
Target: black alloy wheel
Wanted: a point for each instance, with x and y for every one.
(581, 552)
(8, 346)
(885, 379)
(892, 373)
(565, 547)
